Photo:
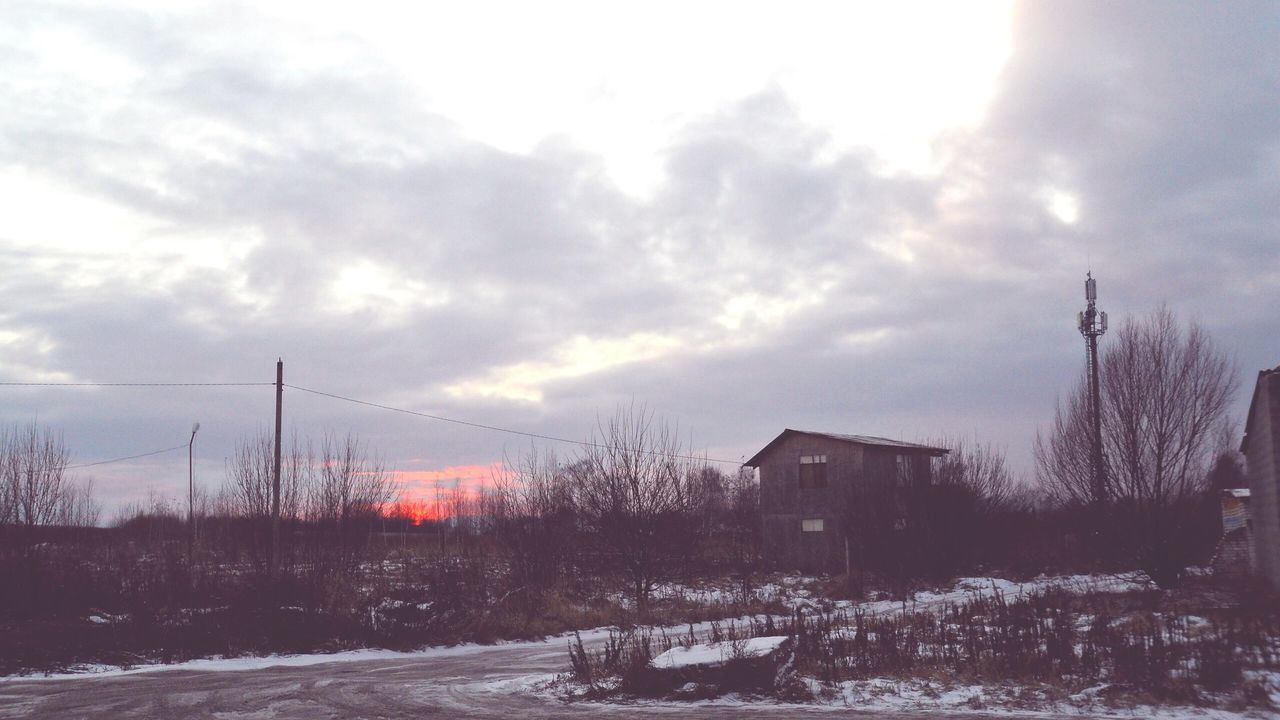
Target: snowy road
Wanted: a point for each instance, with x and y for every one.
(484, 682)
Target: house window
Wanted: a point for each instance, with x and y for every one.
(813, 471)
(814, 525)
(906, 478)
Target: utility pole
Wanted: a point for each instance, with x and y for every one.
(191, 496)
(1092, 324)
(275, 475)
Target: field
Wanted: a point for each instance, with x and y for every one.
(1060, 645)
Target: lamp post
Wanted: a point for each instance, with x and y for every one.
(191, 495)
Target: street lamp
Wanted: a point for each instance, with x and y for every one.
(191, 494)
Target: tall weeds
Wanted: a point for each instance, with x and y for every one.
(1053, 637)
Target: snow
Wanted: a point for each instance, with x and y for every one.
(783, 588)
(236, 664)
(964, 589)
(793, 591)
(916, 697)
(889, 695)
(717, 653)
(519, 684)
(1269, 681)
(101, 618)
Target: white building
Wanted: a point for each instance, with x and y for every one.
(1260, 447)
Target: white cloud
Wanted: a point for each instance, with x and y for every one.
(578, 357)
(852, 217)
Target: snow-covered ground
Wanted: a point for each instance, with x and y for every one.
(219, 664)
(794, 591)
(258, 662)
(717, 653)
(896, 695)
(889, 697)
(790, 590)
(885, 695)
(966, 588)
(916, 695)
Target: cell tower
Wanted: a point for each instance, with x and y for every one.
(1092, 324)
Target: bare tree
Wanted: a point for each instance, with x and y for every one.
(979, 468)
(79, 507)
(351, 488)
(1062, 456)
(249, 476)
(635, 488)
(1165, 393)
(532, 512)
(1167, 397)
(8, 481)
(247, 489)
(743, 527)
(33, 462)
(459, 513)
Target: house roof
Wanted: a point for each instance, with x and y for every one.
(851, 439)
(1248, 423)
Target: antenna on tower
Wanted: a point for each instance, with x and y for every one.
(1092, 323)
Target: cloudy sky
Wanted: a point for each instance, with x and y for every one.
(869, 218)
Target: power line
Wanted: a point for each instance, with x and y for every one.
(122, 459)
(429, 416)
(495, 428)
(132, 384)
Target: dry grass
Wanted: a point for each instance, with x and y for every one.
(1193, 646)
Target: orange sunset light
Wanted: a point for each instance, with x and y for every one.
(428, 495)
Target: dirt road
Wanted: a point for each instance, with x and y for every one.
(489, 682)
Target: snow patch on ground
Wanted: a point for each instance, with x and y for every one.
(717, 653)
(259, 662)
(1268, 681)
(890, 695)
(519, 685)
(886, 696)
(965, 588)
(236, 664)
(783, 588)
(101, 618)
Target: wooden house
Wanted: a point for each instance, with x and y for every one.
(820, 492)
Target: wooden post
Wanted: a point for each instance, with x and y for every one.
(275, 475)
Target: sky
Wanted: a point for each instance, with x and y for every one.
(869, 218)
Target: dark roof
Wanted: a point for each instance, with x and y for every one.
(1248, 422)
(852, 439)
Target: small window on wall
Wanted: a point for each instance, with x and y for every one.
(811, 525)
(906, 478)
(813, 471)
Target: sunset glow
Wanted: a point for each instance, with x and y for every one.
(428, 495)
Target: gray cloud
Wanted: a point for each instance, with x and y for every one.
(919, 305)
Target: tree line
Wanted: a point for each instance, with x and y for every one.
(636, 504)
